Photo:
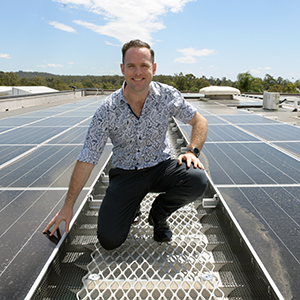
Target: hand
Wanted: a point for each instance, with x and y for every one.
(65, 214)
(190, 158)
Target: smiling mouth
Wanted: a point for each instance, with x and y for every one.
(136, 79)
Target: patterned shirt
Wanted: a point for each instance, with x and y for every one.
(137, 142)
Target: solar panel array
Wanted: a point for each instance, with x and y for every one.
(37, 154)
(254, 162)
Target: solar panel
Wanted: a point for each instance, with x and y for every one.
(260, 182)
(30, 135)
(250, 163)
(33, 186)
(214, 120)
(75, 135)
(5, 128)
(293, 147)
(24, 248)
(246, 118)
(275, 132)
(16, 121)
(218, 133)
(9, 152)
(270, 217)
(60, 121)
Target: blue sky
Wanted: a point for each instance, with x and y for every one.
(212, 38)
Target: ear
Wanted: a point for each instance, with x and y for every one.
(122, 69)
(154, 68)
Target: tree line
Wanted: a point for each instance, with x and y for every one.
(184, 82)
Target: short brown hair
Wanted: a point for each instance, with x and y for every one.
(136, 44)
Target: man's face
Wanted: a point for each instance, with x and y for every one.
(138, 69)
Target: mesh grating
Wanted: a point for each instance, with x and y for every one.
(144, 269)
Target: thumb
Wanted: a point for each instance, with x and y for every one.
(67, 225)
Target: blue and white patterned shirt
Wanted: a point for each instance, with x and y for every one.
(137, 142)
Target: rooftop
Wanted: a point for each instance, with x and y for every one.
(42, 142)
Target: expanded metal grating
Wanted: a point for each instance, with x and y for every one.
(144, 269)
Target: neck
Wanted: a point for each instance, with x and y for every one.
(135, 97)
(136, 101)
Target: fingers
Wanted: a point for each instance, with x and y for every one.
(67, 226)
(179, 159)
(190, 159)
(54, 223)
(62, 215)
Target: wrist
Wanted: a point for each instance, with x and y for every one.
(194, 150)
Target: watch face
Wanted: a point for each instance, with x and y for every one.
(196, 152)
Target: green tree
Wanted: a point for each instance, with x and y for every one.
(244, 82)
(289, 88)
(202, 82)
(181, 82)
(39, 81)
(8, 79)
(23, 82)
(268, 81)
(257, 85)
(88, 84)
(276, 88)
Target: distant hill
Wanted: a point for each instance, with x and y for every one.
(29, 75)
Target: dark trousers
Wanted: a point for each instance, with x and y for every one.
(178, 184)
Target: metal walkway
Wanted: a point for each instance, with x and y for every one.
(144, 269)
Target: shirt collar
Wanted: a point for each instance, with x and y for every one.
(121, 95)
(153, 91)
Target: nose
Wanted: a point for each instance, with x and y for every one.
(137, 70)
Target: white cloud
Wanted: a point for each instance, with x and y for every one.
(111, 44)
(186, 60)
(51, 66)
(194, 52)
(4, 55)
(259, 70)
(126, 20)
(63, 27)
(190, 53)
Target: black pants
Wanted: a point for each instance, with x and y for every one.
(178, 184)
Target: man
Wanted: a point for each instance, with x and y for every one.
(135, 118)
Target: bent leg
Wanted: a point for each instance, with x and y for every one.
(180, 186)
(118, 207)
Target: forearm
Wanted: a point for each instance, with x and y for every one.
(199, 131)
(80, 176)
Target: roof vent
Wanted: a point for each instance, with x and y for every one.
(219, 92)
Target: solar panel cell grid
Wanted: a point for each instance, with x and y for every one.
(33, 185)
(260, 182)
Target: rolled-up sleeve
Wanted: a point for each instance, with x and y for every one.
(96, 138)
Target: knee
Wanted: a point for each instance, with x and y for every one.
(109, 241)
(199, 182)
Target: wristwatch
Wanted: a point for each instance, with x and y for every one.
(194, 150)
